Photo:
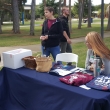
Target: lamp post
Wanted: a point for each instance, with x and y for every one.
(102, 18)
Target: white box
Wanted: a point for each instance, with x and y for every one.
(13, 59)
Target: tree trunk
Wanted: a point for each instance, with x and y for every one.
(16, 28)
(0, 26)
(70, 28)
(80, 14)
(1, 16)
(108, 25)
(64, 3)
(59, 13)
(32, 23)
(89, 13)
(82, 9)
(44, 2)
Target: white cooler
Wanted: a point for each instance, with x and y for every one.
(13, 59)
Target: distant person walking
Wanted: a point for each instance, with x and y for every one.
(51, 33)
(65, 40)
(65, 44)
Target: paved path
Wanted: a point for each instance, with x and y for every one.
(37, 48)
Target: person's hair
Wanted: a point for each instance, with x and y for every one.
(97, 44)
(50, 9)
(64, 8)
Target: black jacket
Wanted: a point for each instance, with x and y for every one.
(64, 21)
(54, 33)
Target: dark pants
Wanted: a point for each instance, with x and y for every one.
(65, 47)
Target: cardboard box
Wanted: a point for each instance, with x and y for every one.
(13, 59)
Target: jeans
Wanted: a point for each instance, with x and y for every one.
(51, 50)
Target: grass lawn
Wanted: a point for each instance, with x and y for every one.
(10, 39)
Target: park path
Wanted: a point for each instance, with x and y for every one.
(37, 47)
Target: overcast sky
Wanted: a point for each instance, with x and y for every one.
(94, 2)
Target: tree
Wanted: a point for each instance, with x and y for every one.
(4, 8)
(0, 18)
(84, 8)
(59, 12)
(75, 9)
(16, 28)
(44, 3)
(89, 13)
(51, 3)
(0, 25)
(12, 7)
(70, 16)
(80, 13)
(108, 13)
(37, 12)
(64, 3)
(32, 23)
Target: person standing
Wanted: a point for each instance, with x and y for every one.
(65, 44)
(51, 33)
(65, 40)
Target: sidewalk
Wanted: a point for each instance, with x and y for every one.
(37, 48)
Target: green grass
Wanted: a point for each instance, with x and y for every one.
(10, 39)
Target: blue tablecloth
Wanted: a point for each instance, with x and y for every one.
(25, 89)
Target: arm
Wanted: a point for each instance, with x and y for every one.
(42, 37)
(106, 63)
(67, 38)
(42, 32)
(64, 32)
(87, 63)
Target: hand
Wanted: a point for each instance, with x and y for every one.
(42, 37)
(69, 41)
(46, 36)
(102, 67)
(92, 67)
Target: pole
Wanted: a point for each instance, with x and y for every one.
(102, 18)
(23, 18)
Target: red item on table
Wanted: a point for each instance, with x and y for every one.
(77, 79)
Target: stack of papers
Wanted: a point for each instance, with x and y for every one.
(61, 72)
(77, 69)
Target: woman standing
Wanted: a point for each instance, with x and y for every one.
(96, 46)
(51, 33)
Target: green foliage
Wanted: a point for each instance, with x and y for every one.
(75, 9)
(37, 12)
(98, 8)
(50, 3)
(85, 8)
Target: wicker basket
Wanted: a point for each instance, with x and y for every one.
(30, 62)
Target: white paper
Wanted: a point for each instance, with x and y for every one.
(84, 87)
(77, 69)
(74, 69)
(61, 72)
